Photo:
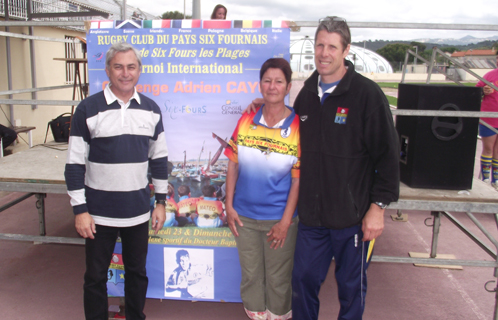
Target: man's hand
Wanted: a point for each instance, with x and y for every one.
(85, 226)
(255, 104)
(158, 217)
(373, 223)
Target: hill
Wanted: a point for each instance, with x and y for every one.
(462, 44)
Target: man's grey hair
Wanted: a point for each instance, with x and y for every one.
(121, 47)
(337, 25)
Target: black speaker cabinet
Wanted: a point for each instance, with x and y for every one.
(437, 152)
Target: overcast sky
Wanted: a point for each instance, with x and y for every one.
(419, 11)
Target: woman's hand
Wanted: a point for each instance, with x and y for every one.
(232, 218)
(277, 234)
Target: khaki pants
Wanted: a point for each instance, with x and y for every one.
(266, 273)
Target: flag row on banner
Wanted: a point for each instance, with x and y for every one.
(187, 23)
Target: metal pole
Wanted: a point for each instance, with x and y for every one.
(495, 314)
(123, 13)
(435, 232)
(303, 24)
(32, 56)
(431, 65)
(404, 68)
(9, 66)
(40, 205)
(16, 201)
(496, 270)
(483, 230)
(415, 61)
(469, 234)
(196, 9)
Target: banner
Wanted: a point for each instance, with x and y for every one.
(202, 74)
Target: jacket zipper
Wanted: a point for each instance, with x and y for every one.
(352, 202)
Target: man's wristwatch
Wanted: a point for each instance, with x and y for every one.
(381, 205)
(163, 202)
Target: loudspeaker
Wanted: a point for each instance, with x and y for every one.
(437, 152)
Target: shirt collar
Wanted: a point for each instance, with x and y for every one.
(329, 90)
(110, 97)
(284, 123)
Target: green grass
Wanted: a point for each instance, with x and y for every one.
(392, 100)
(395, 84)
(388, 85)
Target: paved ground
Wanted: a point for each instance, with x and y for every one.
(44, 281)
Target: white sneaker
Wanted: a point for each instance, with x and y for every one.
(486, 180)
(495, 185)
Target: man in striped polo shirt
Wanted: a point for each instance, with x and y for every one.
(116, 135)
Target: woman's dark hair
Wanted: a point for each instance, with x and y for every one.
(213, 15)
(277, 63)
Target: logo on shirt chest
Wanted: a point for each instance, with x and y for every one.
(341, 115)
(285, 133)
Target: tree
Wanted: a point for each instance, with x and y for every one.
(450, 49)
(421, 46)
(394, 53)
(174, 15)
(426, 54)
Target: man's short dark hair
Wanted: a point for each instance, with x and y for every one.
(208, 190)
(277, 63)
(181, 253)
(337, 25)
(121, 47)
(183, 190)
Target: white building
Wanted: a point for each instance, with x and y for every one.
(364, 60)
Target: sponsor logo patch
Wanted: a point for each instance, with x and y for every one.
(341, 115)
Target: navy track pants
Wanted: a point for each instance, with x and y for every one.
(315, 248)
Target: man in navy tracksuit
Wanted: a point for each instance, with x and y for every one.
(349, 174)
